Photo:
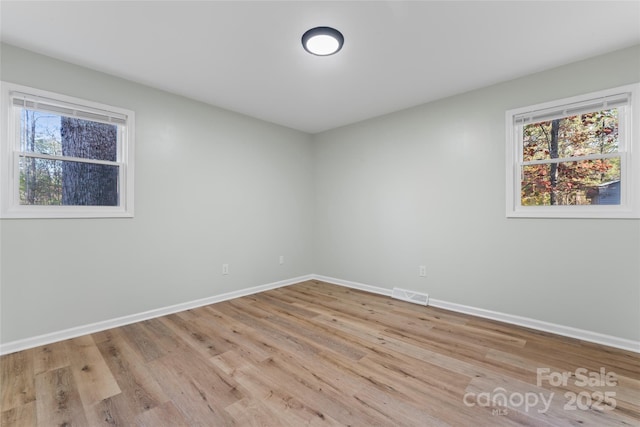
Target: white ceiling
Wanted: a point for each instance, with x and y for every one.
(247, 56)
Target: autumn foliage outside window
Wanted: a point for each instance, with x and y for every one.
(576, 157)
(564, 178)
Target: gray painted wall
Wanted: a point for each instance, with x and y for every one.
(211, 187)
(426, 186)
(367, 203)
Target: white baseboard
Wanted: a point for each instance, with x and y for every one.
(567, 331)
(540, 325)
(49, 338)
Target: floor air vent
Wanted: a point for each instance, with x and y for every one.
(410, 296)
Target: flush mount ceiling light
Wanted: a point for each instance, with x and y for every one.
(322, 41)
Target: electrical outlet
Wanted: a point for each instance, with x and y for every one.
(225, 269)
(422, 271)
(281, 259)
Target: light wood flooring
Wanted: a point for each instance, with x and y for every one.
(318, 354)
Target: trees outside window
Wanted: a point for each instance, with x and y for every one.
(575, 157)
(573, 182)
(65, 157)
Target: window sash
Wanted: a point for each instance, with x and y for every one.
(622, 129)
(619, 101)
(518, 180)
(121, 131)
(120, 182)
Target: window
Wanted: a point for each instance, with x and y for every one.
(575, 158)
(64, 157)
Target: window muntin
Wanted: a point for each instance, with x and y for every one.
(573, 157)
(65, 157)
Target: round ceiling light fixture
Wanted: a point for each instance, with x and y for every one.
(322, 41)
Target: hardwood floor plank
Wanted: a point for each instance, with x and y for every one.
(165, 340)
(413, 392)
(479, 336)
(17, 383)
(322, 389)
(275, 391)
(244, 341)
(109, 412)
(142, 342)
(429, 379)
(393, 412)
(318, 354)
(139, 390)
(230, 362)
(199, 338)
(198, 389)
(273, 337)
(93, 377)
(628, 392)
(50, 357)
(20, 416)
(253, 412)
(364, 303)
(290, 307)
(310, 331)
(164, 415)
(58, 399)
(378, 318)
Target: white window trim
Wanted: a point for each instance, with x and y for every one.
(630, 159)
(9, 174)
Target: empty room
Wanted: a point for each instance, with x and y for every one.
(290, 213)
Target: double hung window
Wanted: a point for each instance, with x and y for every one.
(64, 157)
(576, 157)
